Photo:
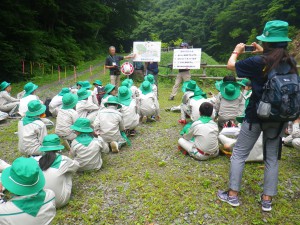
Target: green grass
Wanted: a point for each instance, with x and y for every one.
(152, 183)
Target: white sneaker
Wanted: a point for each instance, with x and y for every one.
(114, 147)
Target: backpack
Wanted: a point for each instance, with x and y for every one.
(280, 100)
(46, 103)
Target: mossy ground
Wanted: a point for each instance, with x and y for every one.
(152, 183)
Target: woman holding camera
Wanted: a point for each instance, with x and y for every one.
(274, 55)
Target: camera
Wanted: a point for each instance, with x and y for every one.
(249, 48)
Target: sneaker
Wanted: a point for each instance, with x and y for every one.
(231, 200)
(171, 98)
(114, 146)
(144, 119)
(132, 132)
(266, 205)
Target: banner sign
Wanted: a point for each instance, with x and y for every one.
(147, 51)
(187, 58)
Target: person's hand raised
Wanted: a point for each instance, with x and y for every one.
(258, 48)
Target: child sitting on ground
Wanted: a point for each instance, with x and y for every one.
(294, 137)
(31, 130)
(84, 107)
(58, 169)
(134, 90)
(8, 104)
(151, 79)
(93, 96)
(204, 131)
(110, 90)
(129, 110)
(109, 124)
(86, 149)
(56, 102)
(98, 90)
(66, 117)
(30, 89)
(230, 102)
(147, 103)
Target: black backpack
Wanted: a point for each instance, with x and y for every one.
(280, 101)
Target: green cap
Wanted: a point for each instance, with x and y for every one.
(51, 142)
(275, 31)
(245, 82)
(108, 88)
(82, 125)
(4, 85)
(86, 84)
(113, 100)
(230, 90)
(98, 82)
(146, 87)
(29, 88)
(124, 95)
(35, 108)
(23, 177)
(150, 78)
(83, 94)
(69, 101)
(64, 91)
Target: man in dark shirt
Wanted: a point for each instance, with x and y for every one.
(113, 64)
(183, 75)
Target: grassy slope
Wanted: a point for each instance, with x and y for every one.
(151, 182)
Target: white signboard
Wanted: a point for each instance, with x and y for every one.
(187, 58)
(147, 51)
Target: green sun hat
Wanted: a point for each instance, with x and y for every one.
(83, 94)
(218, 84)
(125, 83)
(69, 101)
(51, 142)
(98, 82)
(146, 87)
(4, 85)
(108, 88)
(230, 90)
(189, 85)
(113, 100)
(130, 82)
(275, 31)
(124, 95)
(245, 82)
(150, 78)
(23, 177)
(80, 83)
(82, 125)
(29, 88)
(64, 91)
(35, 108)
(86, 84)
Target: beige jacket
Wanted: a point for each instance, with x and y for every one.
(31, 137)
(12, 215)
(89, 158)
(109, 123)
(5, 98)
(60, 180)
(55, 104)
(130, 115)
(23, 107)
(86, 107)
(148, 105)
(65, 119)
(206, 136)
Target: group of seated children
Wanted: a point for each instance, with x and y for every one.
(88, 122)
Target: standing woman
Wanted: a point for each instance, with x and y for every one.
(58, 169)
(274, 56)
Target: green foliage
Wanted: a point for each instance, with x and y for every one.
(60, 33)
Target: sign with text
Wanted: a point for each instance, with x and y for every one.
(147, 51)
(187, 58)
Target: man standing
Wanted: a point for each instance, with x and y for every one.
(183, 75)
(113, 64)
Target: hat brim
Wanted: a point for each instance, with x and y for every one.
(82, 130)
(230, 97)
(110, 90)
(97, 83)
(119, 106)
(85, 96)
(273, 39)
(88, 87)
(18, 189)
(51, 148)
(30, 91)
(37, 113)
